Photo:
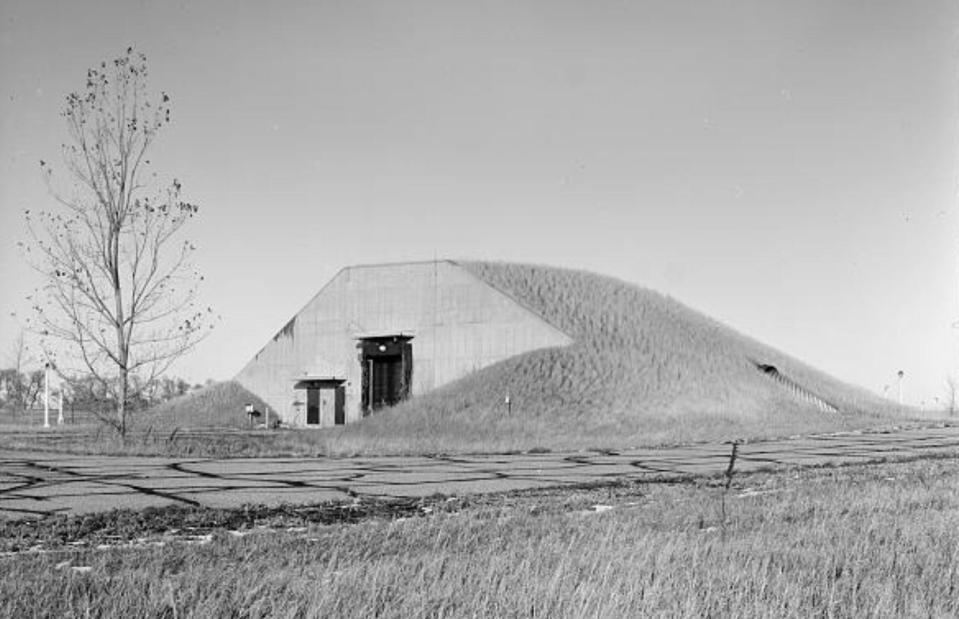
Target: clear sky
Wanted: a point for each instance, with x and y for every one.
(789, 168)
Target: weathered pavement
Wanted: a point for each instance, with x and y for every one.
(34, 484)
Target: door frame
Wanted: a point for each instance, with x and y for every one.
(378, 347)
(315, 386)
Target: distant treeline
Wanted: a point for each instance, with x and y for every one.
(21, 391)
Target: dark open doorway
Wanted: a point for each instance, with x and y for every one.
(387, 370)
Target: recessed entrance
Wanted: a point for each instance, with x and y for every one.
(325, 401)
(387, 370)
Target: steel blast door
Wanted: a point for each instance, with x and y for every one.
(387, 376)
(387, 370)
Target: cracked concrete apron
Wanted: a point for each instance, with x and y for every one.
(37, 484)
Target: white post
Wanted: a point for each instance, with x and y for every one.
(60, 406)
(899, 376)
(46, 395)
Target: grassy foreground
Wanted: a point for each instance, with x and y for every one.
(865, 541)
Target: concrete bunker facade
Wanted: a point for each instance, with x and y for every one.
(378, 334)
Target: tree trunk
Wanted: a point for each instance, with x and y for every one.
(123, 358)
(123, 343)
(122, 402)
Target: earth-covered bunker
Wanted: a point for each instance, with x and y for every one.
(377, 334)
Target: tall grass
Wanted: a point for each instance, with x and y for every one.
(219, 404)
(864, 541)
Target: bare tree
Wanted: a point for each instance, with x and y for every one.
(118, 302)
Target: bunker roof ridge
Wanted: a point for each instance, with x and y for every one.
(401, 263)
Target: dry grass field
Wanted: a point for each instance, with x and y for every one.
(861, 541)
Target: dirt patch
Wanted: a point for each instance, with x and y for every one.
(190, 524)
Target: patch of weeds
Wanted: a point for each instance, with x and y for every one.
(120, 526)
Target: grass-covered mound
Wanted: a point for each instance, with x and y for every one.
(643, 369)
(217, 404)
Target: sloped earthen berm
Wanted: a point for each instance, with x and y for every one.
(36, 484)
